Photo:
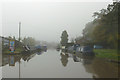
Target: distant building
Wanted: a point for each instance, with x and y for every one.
(4, 41)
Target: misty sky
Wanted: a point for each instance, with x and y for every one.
(46, 20)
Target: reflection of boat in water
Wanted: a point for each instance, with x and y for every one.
(76, 59)
(79, 57)
(58, 49)
(38, 53)
(98, 67)
(30, 57)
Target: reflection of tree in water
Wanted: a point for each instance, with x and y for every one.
(64, 59)
(105, 69)
(87, 59)
(87, 63)
(100, 68)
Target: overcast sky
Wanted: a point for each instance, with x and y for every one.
(46, 20)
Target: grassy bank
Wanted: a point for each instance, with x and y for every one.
(107, 54)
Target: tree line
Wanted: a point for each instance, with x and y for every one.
(103, 30)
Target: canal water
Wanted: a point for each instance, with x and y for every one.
(57, 64)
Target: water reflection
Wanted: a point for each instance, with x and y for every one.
(103, 69)
(64, 59)
(12, 59)
(77, 57)
(66, 64)
(97, 67)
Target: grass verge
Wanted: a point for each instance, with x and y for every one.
(107, 54)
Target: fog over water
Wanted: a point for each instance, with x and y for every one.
(46, 20)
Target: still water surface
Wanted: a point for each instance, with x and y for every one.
(57, 64)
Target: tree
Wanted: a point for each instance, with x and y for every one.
(9, 37)
(64, 38)
(103, 30)
(106, 32)
(29, 41)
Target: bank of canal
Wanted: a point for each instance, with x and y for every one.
(111, 55)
